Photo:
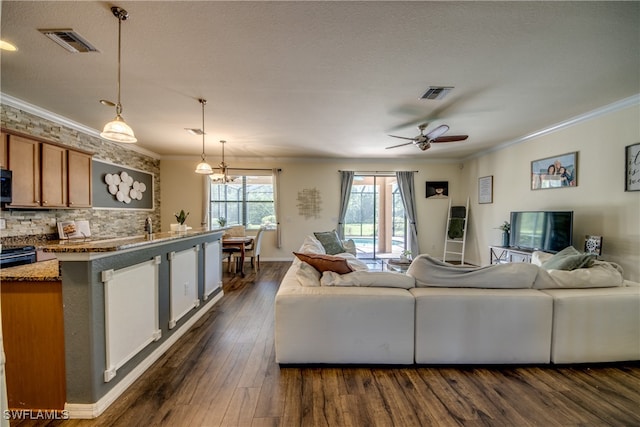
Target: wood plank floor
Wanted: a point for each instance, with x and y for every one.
(223, 373)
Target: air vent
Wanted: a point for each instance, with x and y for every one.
(70, 40)
(436, 92)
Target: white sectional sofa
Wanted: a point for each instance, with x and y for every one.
(391, 318)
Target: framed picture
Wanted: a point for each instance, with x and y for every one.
(437, 189)
(555, 172)
(632, 167)
(593, 244)
(485, 189)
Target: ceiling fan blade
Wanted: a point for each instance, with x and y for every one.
(450, 138)
(402, 137)
(437, 132)
(399, 145)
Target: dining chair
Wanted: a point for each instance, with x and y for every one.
(253, 251)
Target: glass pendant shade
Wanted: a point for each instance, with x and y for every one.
(118, 131)
(204, 168)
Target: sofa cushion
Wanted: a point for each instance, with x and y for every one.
(307, 275)
(569, 259)
(381, 279)
(430, 272)
(330, 241)
(324, 263)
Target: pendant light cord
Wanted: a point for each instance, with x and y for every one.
(203, 102)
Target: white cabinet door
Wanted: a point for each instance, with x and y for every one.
(183, 289)
(212, 267)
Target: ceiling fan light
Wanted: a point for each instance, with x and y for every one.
(204, 168)
(118, 130)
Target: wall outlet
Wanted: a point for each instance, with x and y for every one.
(3, 224)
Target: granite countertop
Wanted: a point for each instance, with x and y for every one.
(44, 271)
(119, 243)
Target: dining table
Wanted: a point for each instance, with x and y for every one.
(241, 242)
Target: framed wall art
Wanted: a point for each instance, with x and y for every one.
(555, 172)
(632, 167)
(437, 189)
(119, 187)
(485, 189)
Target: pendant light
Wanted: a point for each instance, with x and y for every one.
(221, 176)
(203, 167)
(117, 130)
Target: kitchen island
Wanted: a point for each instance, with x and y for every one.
(125, 301)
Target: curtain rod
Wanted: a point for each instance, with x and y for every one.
(364, 172)
(252, 169)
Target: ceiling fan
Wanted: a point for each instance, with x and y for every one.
(423, 141)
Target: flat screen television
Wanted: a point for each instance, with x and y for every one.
(548, 231)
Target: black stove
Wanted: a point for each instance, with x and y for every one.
(17, 255)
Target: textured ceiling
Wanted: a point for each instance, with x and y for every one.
(325, 79)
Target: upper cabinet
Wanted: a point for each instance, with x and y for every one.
(79, 173)
(3, 150)
(47, 175)
(24, 162)
(54, 176)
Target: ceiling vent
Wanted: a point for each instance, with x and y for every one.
(194, 131)
(70, 40)
(436, 92)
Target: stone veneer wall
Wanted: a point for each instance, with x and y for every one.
(25, 226)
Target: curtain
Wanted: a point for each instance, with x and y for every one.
(276, 203)
(408, 194)
(346, 180)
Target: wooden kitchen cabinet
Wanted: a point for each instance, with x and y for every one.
(3, 150)
(24, 162)
(47, 175)
(79, 178)
(33, 337)
(54, 176)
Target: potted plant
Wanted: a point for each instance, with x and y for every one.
(506, 228)
(181, 218)
(222, 221)
(405, 255)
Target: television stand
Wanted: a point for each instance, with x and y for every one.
(508, 254)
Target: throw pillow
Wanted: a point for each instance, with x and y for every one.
(330, 241)
(307, 275)
(324, 263)
(569, 259)
(311, 245)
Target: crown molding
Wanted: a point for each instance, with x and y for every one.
(622, 104)
(64, 121)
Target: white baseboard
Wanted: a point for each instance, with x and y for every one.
(93, 410)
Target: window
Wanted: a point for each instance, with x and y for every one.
(248, 201)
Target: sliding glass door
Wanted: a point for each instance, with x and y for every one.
(375, 217)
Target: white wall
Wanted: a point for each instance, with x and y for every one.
(182, 189)
(600, 204)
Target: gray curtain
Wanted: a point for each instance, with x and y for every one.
(346, 180)
(408, 194)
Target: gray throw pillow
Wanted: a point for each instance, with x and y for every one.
(569, 259)
(330, 241)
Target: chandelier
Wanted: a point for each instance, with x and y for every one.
(221, 176)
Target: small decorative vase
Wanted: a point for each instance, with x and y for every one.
(505, 238)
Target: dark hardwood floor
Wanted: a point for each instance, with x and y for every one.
(223, 373)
